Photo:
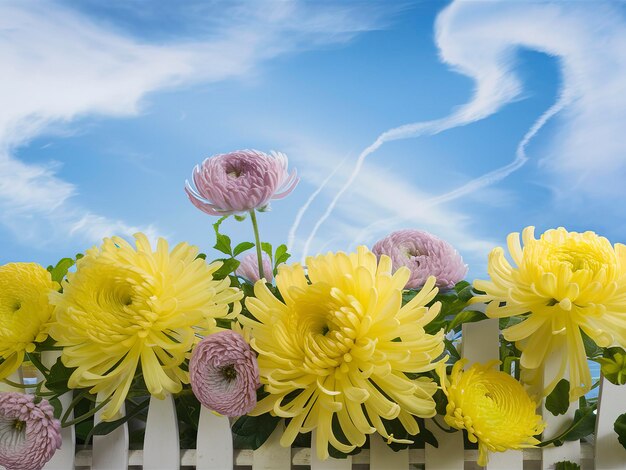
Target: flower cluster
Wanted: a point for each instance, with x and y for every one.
(25, 313)
(126, 306)
(492, 407)
(563, 283)
(348, 345)
(29, 434)
(340, 345)
(425, 255)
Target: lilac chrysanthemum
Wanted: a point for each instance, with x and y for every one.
(425, 255)
(29, 434)
(224, 373)
(240, 181)
(249, 268)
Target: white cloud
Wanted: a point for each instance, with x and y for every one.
(481, 40)
(59, 65)
(377, 192)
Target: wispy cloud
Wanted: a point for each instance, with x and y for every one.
(480, 40)
(59, 65)
(377, 191)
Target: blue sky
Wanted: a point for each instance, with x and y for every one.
(107, 106)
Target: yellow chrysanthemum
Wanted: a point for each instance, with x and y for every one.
(492, 407)
(25, 312)
(338, 348)
(566, 281)
(124, 305)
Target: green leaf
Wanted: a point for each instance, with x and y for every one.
(201, 256)
(267, 248)
(228, 266)
(105, 427)
(466, 316)
(240, 217)
(465, 294)
(451, 348)
(591, 348)
(620, 428)
(566, 465)
(250, 432)
(613, 365)
(461, 285)
(243, 246)
(584, 424)
(223, 244)
(56, 406)
(58, 377)
(60, 270)
(557, 402)
(216, 225)
(281, 255)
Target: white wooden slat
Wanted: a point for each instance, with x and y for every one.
(383, 458)
(63, 458)
(449, 455)
(329, 463)
(110, 452)
(214, 442)
(271, 455)
(161, 443)
(555, 425)
(481, 344)
(609, 453)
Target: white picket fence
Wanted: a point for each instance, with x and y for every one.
(215, 449)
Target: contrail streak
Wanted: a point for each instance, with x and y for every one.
(482, 181)
(296, 223)
(463, 116)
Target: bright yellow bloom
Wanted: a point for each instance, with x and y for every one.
(125, 305)
(25, 313)
(492, 407)
(566, 281)
(338, 348)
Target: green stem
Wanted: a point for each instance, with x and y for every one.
(259, 255)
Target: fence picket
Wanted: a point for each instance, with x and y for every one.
(450, 453)
(161, 446)
(609, 454)
(329, 463)
(481, 344)
(214, 442)
(64, 457)
(555, 425)
(383, 458)
(271, 455)
(110, 452)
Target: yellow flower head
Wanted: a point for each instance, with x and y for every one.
(566, 282)
(492, 407)
(124, 305)
(338, 348)
(25, 313)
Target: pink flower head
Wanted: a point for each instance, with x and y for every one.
(239, 182)
(29, 434)
(249, 268)
(224, 373)
(425, 255)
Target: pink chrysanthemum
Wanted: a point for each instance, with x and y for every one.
(425, 255)
(224, 373)
(240, 181)
(249, 268)
(29, 434)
